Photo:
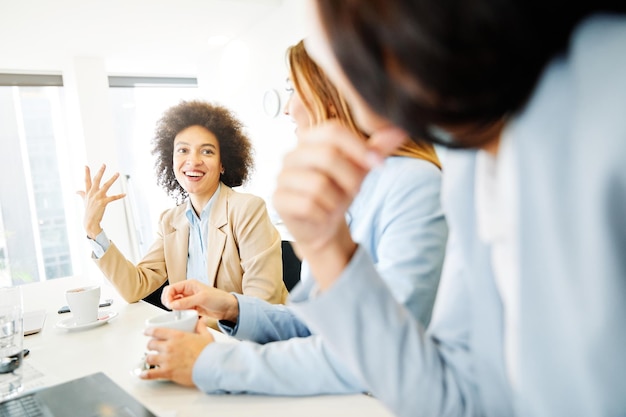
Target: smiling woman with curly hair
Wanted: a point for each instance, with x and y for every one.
(215, 235)
(235, 147)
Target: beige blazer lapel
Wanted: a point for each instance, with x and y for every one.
(216, 237)
(176, 245)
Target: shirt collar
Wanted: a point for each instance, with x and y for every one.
(204, 214)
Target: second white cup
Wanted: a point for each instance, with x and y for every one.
(83, 303)
(185, 322)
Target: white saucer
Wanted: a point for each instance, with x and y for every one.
(103, 317)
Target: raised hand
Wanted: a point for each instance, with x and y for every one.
(208, 301)
(316, 186)
(96, 199)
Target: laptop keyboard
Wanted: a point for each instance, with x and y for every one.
(26, 406)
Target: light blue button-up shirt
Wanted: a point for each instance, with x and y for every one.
(199, 240)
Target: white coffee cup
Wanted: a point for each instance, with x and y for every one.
(83, 303)
(185, 322)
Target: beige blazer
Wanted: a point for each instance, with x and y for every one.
(244, 254)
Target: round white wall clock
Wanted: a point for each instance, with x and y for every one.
(271, 103)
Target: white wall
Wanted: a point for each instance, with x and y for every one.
(240, 73)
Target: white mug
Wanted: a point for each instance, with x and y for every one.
(185, 322)
(83, 303)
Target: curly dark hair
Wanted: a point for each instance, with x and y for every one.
(235, 146)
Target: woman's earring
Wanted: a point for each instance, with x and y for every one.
(222, 171)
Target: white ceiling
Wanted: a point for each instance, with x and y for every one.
(132, 36)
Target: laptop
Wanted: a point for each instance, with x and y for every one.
(94, 395)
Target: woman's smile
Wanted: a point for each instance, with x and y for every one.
(197, 163)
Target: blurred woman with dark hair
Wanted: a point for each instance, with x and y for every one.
(529, 316)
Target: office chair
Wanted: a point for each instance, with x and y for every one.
(291, 265)
(155, 297)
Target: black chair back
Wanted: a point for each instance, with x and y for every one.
(291, 266)
(155, 297)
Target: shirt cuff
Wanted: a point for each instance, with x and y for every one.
(229, 327)
(99, 245)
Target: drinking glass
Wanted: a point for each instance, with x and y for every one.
(11, 341)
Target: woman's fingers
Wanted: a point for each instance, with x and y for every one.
(98, 177)
(87, 180)
(385, 142)
(351, 146)
(172, 292)
(111, 198)
(166, 296)
(203, 330)
(105, 187)
(96, 199)
(364, 153)
(320, 195)
(102, 190)
(186, 303)
(332, 168)
(93, 188)
(97, 193)
(186, 294)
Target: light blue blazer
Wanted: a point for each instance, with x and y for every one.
(570, 149)
(397, 210)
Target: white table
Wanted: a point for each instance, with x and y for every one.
(115, 348)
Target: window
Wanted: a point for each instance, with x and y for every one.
(34, 243)
(137, 103)
(41, 234)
